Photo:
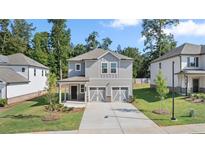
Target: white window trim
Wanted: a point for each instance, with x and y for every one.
(111, 68)
(79, 65)
(101, 67)
(80, 89)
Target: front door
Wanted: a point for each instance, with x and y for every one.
(74, 92)
(195, 85)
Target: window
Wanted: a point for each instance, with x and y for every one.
(192, 61)
(104, 67)
(160, 65)
(42, 72)
(23, 69)
(34, 72)
(77, 67)
(82, 88)
(113, 67)
(0, 93)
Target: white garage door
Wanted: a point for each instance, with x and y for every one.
(119, 94)
(97, 94)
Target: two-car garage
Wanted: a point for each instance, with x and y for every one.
(118, 94)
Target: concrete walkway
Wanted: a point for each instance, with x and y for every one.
(185, 129)
(116, 118)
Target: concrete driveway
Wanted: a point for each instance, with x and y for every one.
(116, 118)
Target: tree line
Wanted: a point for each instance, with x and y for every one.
(55, 47)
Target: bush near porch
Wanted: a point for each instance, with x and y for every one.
(147, 100)
(27, 117)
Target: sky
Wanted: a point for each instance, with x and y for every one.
(126, 32)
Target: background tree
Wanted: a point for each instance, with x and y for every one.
(41, 47)
(21, 36)
(137, 60)
(60, 44)
(161, 88)
(157, 42)
(106, 42)
(4, 36)
(78, 50)
(119, 49)
(91, 41)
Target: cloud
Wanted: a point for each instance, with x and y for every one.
(187, 28)
(121, 23)
(141, 39)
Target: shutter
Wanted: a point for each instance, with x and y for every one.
(188, 61)
(197, 61)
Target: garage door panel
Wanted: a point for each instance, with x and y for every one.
(119, 94)
(97, 94)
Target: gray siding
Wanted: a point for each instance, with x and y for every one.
(93, 68)
(71, 69)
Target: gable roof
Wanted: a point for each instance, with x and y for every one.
(97, 53)
(10, 76)
(19, 59)
(184, 49)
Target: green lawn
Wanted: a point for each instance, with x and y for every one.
(26, 117)
(146, 100)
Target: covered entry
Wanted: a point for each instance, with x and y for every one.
(97, 94)
(119, 94)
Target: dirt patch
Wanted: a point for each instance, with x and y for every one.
(51, 117)
(161, 111)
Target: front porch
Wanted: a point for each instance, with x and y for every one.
(73, 90)
(191, 81)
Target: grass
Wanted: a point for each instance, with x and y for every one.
(26, 117)
(146, 100)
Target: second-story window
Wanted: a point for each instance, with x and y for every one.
(192, 61)
(113, 67)
(77, 67)
(42, 72)
(23, 69)
(34, 72)
(104, 67)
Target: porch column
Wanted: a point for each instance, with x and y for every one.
(65, 93)
(59, 92)
(85, 92)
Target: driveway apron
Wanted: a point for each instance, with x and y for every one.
(116, 118)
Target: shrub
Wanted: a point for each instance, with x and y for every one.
(56, 107)
(192, 113)
(3, 102)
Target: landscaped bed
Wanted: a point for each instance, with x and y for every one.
(147, 100)
(31, 116)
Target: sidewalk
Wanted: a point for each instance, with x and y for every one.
(185, 129)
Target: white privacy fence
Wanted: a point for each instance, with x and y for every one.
(141, 80)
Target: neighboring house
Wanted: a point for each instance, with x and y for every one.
(98, 76)
(189, 68)
(21, 78)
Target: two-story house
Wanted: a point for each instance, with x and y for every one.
(189, 68)
(98, 76)
(21, 78)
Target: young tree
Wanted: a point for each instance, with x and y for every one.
(91, 41)
(51, 89)
(106, 42)
(161, 87)
(60, 44)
